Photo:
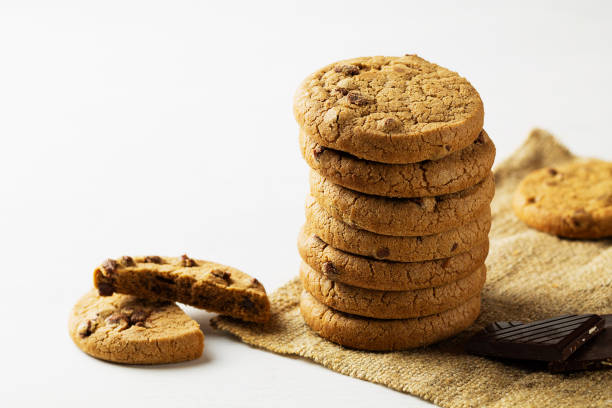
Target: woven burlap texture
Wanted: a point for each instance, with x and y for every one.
(531, 275)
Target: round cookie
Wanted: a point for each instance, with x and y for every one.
(391, 305)
(126, 329)
(403, 249)
(369, 273)
(573, 201)
(386, 335)
(402, 216)
(455, 172)
(389, 109)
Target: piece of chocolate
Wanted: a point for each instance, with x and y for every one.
(544, 340)
(595, 354)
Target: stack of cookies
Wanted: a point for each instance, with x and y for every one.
(398, 215)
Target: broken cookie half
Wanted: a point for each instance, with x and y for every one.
(202, 284)
(129, 330)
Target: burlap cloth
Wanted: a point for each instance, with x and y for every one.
(531, 275)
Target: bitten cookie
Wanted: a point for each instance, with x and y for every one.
(389, 109)
(391, 305)
(573, 201)
(402, 249)
(402, 216)
(125, 329)
(207, 285)
(455, 172)
(370, 273)
(386, 335)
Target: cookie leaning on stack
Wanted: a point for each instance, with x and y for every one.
(397, 221)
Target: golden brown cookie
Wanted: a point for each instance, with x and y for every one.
(402, 216)
(203, 284)
(455, 172)
(573, 201)
(391, 305)
(125, 329)
(403, 249)
(389, 109)
(386, 335)
(370, 273)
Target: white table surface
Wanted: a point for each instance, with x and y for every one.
(166, 127)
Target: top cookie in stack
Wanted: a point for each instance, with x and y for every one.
(399, 212)
(389, 109)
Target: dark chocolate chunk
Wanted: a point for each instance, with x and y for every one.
(382, 252)
(222, 275)
(544, 340)
(329, 269)
(153, 259)
(105, 289)
(596, 354)
(109, 266)
(127, 261)
(187, 261)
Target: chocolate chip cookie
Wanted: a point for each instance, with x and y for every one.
(125, 329)
(404, 249)
(369, 273)
(391, 305)
(203, 284)
(573, 201)
(386, 335)
(389, 109)
(402, 216)
(455, 172)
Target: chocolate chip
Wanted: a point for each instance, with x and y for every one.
(105, 289)
(85, 329)
(357, 98)
(138, 317)
(347, 69)
(317, 151)
(329, 268)
(343, 91)
(223, 275)
(455, 245)
(109, 266)
(129, 318)
(247, 303)
(445, 262)
(580, 218)
(255, 284)
(127, 261)
(530, 200)
(388, 124)
(552, 172)
(187, 261)
(382, 252)
(153, 259)
(116, 317)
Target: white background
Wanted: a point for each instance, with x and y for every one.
(164, 128)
